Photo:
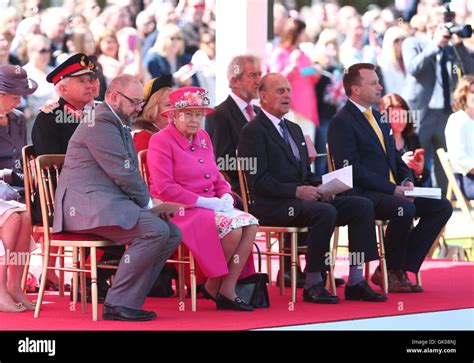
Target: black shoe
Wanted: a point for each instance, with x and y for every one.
(238, 304)
(300, 278)
(362, 291)
(339, 281)
(319, 295)
(126, 314)
(206, 294)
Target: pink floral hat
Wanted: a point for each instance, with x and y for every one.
(188, 98)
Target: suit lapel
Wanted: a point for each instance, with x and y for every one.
(238, 120)
(361, 119)
(275, 135)
(301, 145)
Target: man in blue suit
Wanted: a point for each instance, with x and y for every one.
(357, 137)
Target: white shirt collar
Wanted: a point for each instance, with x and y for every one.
(115, 114)
(360, 107)
(275, 120)
(239, 101)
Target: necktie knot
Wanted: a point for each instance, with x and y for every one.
(368, 113)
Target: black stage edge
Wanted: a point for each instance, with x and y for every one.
(243, 346)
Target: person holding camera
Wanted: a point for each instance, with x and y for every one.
(433, 65)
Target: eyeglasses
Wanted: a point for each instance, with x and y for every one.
(134, 103)
(177, 39)
(44, 51)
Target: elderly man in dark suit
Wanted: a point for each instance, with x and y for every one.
(285, 193)
(357, 137)
(100, 181)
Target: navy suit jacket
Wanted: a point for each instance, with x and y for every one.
(352, 141)
(278, 173)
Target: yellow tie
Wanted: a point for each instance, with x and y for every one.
(368, 113)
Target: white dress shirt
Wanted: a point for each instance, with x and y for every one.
(460, 141)
(241, 104)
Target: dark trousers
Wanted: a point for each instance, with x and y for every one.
(406, 247)
(431, 134)
(321, 219)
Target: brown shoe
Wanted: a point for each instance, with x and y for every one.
(394, 284)
(403, 276)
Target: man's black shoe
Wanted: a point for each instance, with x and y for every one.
(362, 291)
(339, 281)
(300, 278)
(319, 295)
(126, 314)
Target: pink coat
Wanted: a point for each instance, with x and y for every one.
(303, 95)
(181, 171)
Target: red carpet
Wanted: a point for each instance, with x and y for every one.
(448, 285)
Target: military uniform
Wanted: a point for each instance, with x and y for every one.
(54, 127)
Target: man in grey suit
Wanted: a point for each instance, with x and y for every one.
(433, 65)
(100, 191)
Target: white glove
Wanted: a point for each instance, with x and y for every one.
(229, 201)
(214, 204)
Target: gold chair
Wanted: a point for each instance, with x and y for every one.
(268, 230)
(48, 168)
(466, 206)
(182, 259)
(31, 197)
(379, 225)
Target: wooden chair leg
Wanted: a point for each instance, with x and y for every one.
(418, 279)
(181, 274)
(82, 264)
(192, 271)
(24, 276)
(367, 271)
(39, 301)
(383, 261)
(294, 253)
(331, 280)
(281, 250)
(268, 242)
(94, 292)
(61, 272)
(75, 275)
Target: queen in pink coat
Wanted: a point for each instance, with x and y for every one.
(183, 169)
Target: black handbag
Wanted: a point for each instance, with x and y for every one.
(253, 289)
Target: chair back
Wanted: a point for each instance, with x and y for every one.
(142, 165)
(29, 155)
(48, 168)
(244, 189)
(330, 160)
(453, 186)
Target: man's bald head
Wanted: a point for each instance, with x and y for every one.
(125, 96)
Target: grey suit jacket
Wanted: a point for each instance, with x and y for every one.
(100, 184)
(419, 57)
